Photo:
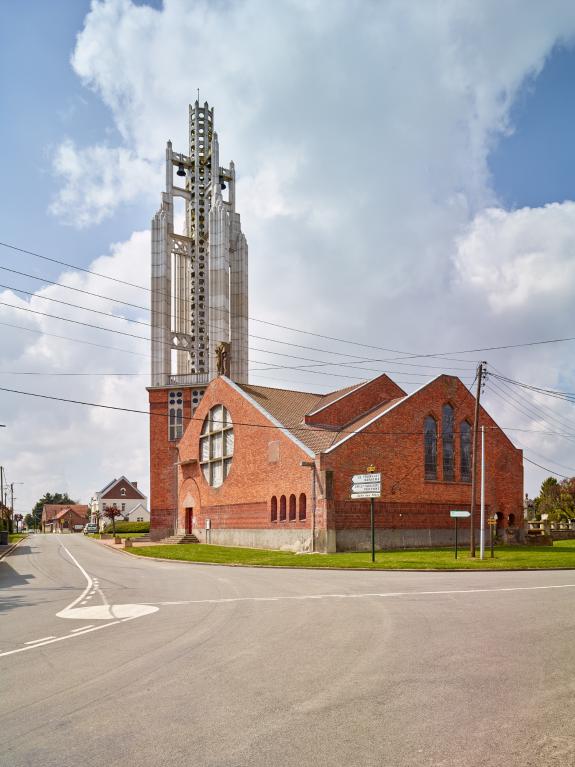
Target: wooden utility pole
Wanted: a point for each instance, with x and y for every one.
(474, 461)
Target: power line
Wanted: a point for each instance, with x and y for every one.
(397, 361)
(294, 428)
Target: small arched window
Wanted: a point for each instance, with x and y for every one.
(274, 514)
(302, 506)
(123, 491)
(465, 451)
(283, 508)
(292, 511)
(447, 443)
(430, 447)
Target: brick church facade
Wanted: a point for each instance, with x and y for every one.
(272, 468)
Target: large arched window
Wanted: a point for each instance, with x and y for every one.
(447, 443)
(216, 446)
(274, 509)
(465, 451)
(302, 506)
(430, 447)
(283, 508)
(292, 509)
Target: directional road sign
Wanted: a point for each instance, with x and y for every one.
(368, 487)
(365, 495)
(457, 514)
(359, 479)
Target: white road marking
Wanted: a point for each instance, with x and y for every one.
(384, 594)
(108, 612)
(42, 639)
(63, 638)
(88, 588)
(82, 628)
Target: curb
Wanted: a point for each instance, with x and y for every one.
(11, 548)
(343, 569)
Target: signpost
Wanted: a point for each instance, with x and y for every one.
(368, 486)
(492, 522)
(458, 515)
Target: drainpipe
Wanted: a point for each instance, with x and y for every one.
(311, 465)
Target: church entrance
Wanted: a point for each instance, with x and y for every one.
(189, 520)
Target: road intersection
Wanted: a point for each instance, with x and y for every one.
(109, 657)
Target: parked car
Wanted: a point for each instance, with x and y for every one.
(90, 528)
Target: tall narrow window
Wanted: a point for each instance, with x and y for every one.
(274, 509)
(430, 447)
(292, 511)
(447, 443)
(302, 506)
(283, 508)
(465, 450)
(176, 415)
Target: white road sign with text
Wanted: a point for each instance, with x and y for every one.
(360, 479)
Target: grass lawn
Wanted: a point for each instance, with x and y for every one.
(562, 554)
(13, 537)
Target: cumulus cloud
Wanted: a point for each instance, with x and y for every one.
(58, 446)
(361, 134)
(97, 179)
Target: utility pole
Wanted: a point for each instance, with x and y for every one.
(2, 492)
(474, 460)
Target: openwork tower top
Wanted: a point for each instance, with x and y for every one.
(199, 276)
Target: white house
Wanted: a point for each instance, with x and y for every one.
(122, 495)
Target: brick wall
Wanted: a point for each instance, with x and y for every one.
(357, 402)
(394, 444)
(258, 471)
(163, 459)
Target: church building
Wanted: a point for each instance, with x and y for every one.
(238, 464)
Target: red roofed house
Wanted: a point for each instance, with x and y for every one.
(272, 468)
(64, 518)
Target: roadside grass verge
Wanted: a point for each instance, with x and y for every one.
(13, 537)
(561, 555)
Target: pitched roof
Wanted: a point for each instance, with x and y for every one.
(78, 509)
(117, 481)
(290, 407)
(56, 510)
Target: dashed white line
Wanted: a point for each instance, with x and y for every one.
(82, 628)
(42, 639)
(63, 638)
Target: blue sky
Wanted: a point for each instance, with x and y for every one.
(396, 166)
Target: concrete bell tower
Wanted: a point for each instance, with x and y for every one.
(199, 302)
(199, 276)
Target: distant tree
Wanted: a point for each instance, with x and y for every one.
(557, 499)
(48, 498)
(111, 512)
(29, 521)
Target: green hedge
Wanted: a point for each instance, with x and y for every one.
(130, 527)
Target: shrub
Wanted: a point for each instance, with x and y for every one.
(131, 527)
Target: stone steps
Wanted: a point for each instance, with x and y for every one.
(174, 539)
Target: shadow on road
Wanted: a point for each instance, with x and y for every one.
(8, 579)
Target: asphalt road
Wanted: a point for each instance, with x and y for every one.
(110, 660)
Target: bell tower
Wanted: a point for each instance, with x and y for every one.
(199, 300)
(199, 276)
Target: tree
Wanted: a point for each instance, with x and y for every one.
(111, 512)
(56, 498)
(557, 499)
(29, 521)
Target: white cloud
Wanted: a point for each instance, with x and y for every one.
(58, 446)
(521, 257)
(98, 179)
